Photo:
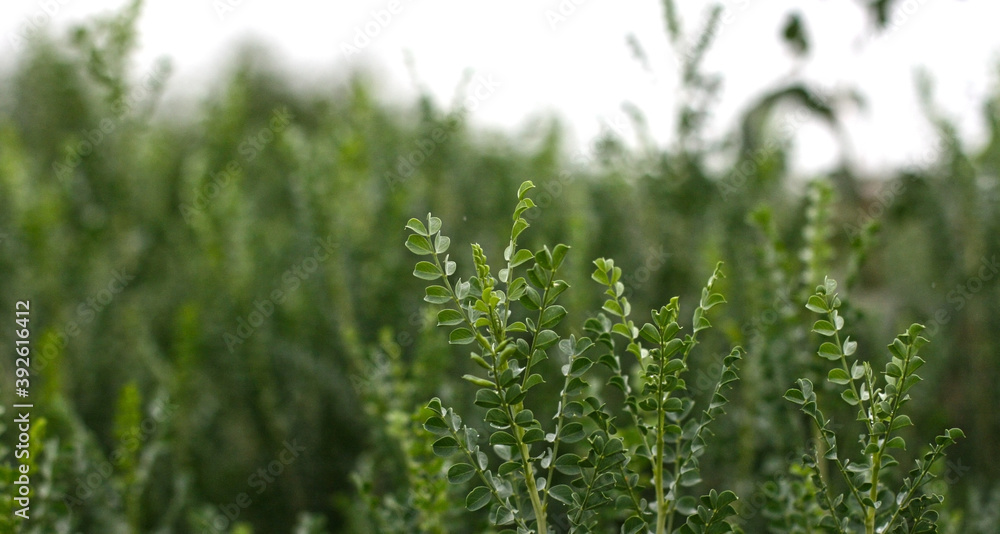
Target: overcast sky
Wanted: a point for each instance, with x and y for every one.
(569, 57)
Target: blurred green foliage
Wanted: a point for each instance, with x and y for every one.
(231, 277)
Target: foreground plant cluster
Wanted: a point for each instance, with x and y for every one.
(209, 213)
(628, 459)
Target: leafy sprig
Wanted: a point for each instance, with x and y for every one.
(879, 404)
(580, 470)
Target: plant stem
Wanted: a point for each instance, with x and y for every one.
(482, 476)
(935, 455)
(873, 494)
(534, 337)
(555, 446)
(529, 478)
(819, 444)
(661, 415)
(661, 505)
(677, 476)
(877, 457)
(590, 488)
(843, 363)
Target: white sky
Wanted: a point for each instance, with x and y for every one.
(582, 68)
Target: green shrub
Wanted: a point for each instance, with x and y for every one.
(869, 503)
(630, 463)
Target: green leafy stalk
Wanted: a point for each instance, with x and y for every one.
(572, 382)
(457, 437)
(483, 311)
(880, 409)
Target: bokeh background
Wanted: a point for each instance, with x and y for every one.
(205, 201)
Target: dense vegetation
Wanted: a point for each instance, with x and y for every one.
(659, 425)
(228, 337)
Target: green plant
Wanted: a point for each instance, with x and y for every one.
(418, 502)
(120, 205)
(869, 503)
(584, 470)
